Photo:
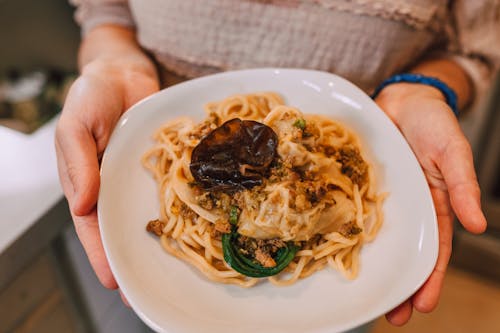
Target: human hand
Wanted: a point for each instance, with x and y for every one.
(445, 156)
(106, 88)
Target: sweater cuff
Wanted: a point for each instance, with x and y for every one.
(90, 15)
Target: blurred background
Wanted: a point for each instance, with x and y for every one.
(46, 283)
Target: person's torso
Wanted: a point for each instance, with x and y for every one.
(361, 40)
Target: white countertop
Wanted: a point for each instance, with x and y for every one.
(29, 184)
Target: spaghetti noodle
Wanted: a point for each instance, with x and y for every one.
(318, 195)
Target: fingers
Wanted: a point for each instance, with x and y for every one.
(400, 315)
(85, 227)
(87, 230)
(461, 192)
(427, 297)
(456, 165)
(78, 166)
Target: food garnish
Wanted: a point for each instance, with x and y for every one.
(234, 156)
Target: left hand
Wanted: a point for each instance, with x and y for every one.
(433, 132)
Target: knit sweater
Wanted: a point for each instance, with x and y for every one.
(364, 41)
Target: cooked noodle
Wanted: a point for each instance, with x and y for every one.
(329, 207)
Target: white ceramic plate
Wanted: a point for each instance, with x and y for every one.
(171, 296)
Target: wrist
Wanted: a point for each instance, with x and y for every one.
(112, 48)
(119, 67)
(392, 97)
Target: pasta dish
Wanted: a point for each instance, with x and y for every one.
(259, 189)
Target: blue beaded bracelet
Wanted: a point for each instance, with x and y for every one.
(449, 94)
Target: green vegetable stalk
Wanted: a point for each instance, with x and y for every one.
(250, 267)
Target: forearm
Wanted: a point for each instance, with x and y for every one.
(114, 45)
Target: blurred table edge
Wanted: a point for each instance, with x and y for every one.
(27, 246)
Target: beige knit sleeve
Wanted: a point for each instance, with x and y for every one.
(475, 40)
(91, 13)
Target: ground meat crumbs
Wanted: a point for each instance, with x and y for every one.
(223, 201)
(307, 194)
(353, 164)
(222, 226)
(262, 250)
(155, 227)
(216, 199)
(188, 213)
(206, 201)
(264, 258)
(349, 229)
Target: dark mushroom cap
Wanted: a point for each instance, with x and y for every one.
(234, 156)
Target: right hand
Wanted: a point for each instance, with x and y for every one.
(95, 102)
(433, 132)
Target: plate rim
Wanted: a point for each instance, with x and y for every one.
(277, 70)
